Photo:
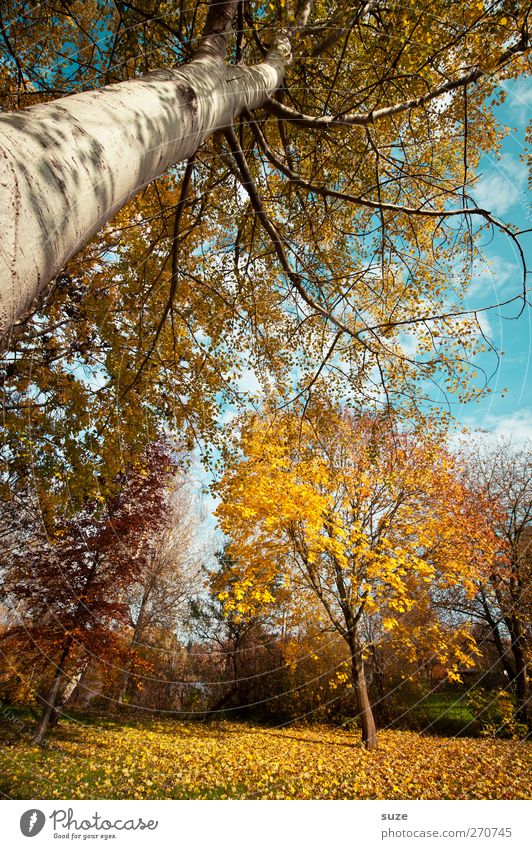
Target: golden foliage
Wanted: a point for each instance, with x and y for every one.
(164, 759)
(369, 520)
(359, 209)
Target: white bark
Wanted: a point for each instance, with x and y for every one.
(67, 166)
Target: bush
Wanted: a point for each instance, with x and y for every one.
(495, 714)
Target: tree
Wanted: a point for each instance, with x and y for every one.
(503, 472)
(345, 242)
(320, 225)
(364, 517)
(161, 595)
(162, 119)
(68, 590)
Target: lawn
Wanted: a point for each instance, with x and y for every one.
(442, 712)
(167, 759)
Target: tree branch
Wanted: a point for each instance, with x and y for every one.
(380, 205)
(217, 30)
(280, 110)
(173, 279)
(251, 188)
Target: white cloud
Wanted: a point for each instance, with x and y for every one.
(501, 186)
(519, 99)
(515, 427)
(248, 383)
(493, 273)
(484, 324)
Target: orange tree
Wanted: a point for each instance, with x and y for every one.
(365, 518)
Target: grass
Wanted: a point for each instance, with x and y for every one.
(168, 759)
(445, 712)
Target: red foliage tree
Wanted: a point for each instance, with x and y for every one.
(70, 589)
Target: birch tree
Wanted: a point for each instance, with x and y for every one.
(159, 601)
(70, 164)
(300, 180)
(102, 147)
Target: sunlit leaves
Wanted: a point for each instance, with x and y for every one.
(173, 760)
(371, 521)
(93, 373)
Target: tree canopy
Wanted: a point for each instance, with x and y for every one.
(329, 232)
(371, 522)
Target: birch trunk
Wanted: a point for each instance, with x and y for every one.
(67, 166)
(67, 693)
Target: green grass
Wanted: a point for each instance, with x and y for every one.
(440, 713)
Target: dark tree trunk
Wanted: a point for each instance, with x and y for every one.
(51, 698)
(521, 672)
(501, 650)
(225, 699)
(367, 721)
(231, 664)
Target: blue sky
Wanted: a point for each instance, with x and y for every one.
(502, 187)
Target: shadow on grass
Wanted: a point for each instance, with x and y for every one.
(441, 714)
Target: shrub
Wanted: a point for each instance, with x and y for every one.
(495, 714)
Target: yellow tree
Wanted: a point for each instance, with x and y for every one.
(367, 519)
(301, 184)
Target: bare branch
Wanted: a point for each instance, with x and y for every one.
(295, 279)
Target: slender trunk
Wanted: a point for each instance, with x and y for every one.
(67, 166)
(51, 698)
(501, 650)
(50, 701)
(231, 665)
(521, 671)
(503, 653)
(367, 721)
(134, 642)
(123, 685)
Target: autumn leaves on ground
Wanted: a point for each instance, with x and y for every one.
(165, 759)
